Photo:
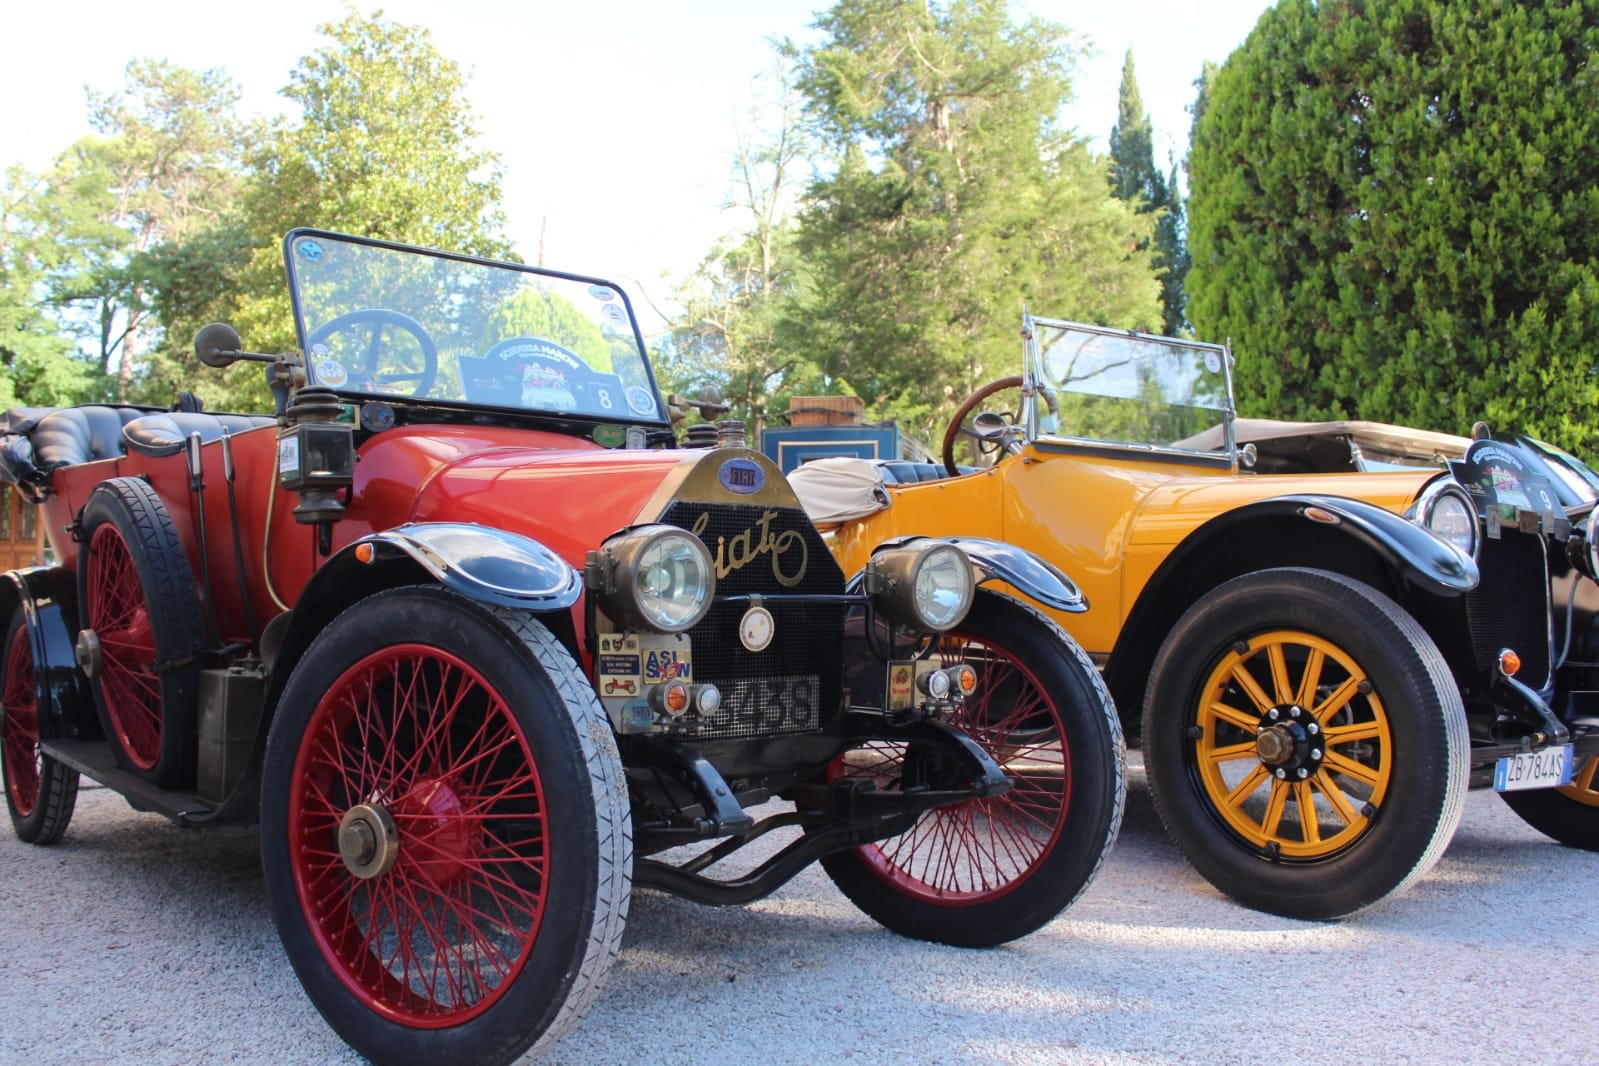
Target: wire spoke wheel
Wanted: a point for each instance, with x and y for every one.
(418, 836)
(119, 617)
(40, 792)
(20, 741)
(981, 848)
(1293, 746)
(990, 869)
(141, 631)
(444, 829)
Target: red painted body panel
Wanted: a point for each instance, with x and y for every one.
(565, 492)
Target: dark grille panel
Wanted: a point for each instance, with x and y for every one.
(796, 684)
(1509, 608)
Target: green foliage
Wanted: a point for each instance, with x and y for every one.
(1392, 214)
(948, 201)
(1132, 146)
(742, 330)
(1135, 179)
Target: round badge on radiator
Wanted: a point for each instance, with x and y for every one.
(756, 629)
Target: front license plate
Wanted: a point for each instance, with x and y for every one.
(1550, 768)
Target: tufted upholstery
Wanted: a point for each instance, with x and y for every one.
(85, 434)
(164, 434)
(903, 472)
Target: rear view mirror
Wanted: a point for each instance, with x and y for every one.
(217, 345)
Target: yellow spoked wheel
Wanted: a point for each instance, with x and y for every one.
(1305, 742)
(1569, 814)
(1293, 745)
(1584, 787)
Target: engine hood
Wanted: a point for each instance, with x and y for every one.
(572, 501)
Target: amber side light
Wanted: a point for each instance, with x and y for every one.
(1509, 662)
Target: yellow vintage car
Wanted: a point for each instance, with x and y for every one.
(1332, 632)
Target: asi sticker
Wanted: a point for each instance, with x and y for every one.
(743, 476)
(310, 251)
(640, 401)
(667, 664)
(331, 372)
(602, 292)
(1213, 362)
(289, 455)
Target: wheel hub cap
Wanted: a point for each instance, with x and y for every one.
(369, 842)
(1288, 742)
(87, 653)
(444, 833)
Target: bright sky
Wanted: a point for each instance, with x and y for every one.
(658, 89)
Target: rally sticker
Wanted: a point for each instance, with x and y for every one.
(310, 251)
(289, 455)
(667, 664)
(640, 400)
(1213, 362)
(601, 292)
(614, 312)
(331, 372)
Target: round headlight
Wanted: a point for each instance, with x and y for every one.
(663, 579)
(1446, 512)
(925, 585)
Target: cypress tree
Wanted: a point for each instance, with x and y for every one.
(1393, 216)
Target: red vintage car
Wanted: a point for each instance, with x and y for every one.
(479, 644)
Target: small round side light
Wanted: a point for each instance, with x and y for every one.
(964, 679)
(365, 553)
(1509, 662)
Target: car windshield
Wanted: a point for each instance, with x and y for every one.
(1126, 388)
(388, 321)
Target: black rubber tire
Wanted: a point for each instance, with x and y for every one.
(589, 842)
(1411, 686)
(167, 586)
(1555, 814)
(53, 787)
(1094, 799)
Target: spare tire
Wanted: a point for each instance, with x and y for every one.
(141, 630)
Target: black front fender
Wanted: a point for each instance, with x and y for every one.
(1421, 557)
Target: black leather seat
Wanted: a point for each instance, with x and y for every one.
(72, 435)
(165, 433)
(904, 472)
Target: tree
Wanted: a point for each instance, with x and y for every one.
(735, 306)
(1132, 146)
(950, 199)
(384, 146)
(1392, 215)
(162, 165)
(1135, 179)
(37, 366)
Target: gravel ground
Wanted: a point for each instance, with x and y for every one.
(135, 941)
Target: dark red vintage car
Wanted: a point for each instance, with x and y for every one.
(479, 645)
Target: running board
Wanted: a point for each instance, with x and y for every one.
(93, 758)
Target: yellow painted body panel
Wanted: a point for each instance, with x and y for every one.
(1107, 521)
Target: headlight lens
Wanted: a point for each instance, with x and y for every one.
(925, 585)
(663, 579)
(1448, 515)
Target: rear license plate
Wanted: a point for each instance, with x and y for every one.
(1550, 768)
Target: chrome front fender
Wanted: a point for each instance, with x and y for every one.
(1030, 574)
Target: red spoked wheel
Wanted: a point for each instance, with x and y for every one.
(40, 792)
(989, 870)
(142, 629)
(451, 829)
(121, 621)
(418, 812)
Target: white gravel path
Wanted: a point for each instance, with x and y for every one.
(137, 942)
